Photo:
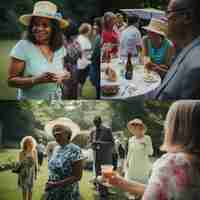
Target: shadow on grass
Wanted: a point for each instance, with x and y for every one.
(4, 150)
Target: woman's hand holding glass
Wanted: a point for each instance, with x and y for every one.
(62, 76)
(46, 77)
(115, 180)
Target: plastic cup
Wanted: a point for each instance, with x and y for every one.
(107, 171)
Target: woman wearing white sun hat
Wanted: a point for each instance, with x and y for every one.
(66, 163)
(36, 66)
(157, 47)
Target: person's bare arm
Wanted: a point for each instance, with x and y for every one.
(144, 47)
(16, 79)
(36, 162)
(162, 69)
(20, 158)
(131, 187)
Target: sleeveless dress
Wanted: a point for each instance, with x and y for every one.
(27, 173)
(158, 55)
(139, 165)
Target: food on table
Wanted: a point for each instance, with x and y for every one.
(109, 90)
(148, 76)
(111, 74)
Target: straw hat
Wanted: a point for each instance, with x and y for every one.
(44, 9)
(135, 121)
(65, 122)
(157, 26)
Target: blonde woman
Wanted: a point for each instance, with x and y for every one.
(139, 150)
(29, 165)
(176, 175)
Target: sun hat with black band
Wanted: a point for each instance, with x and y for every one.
(44, 9)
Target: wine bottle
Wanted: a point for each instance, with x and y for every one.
(129, 68)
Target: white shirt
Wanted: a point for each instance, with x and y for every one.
(130, 38)
(86, 48)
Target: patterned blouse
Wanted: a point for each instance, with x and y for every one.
(59, 168)
(173, 178)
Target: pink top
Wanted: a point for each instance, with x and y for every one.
(173, 178)
(110, 37)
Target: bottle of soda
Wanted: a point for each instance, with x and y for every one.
(129, 68)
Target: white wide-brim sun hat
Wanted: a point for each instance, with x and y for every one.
(44, 9)
(62, 121)
(136, 121)
(157, 26)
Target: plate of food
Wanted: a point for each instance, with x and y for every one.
(111, 74)
(150, 77)
(110, 89)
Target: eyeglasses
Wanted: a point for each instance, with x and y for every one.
(178, 10)
(136, 124)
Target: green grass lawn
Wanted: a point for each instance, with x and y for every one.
(10, 93)
(6, 92)
(9, 190)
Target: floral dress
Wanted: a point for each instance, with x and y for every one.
(59, 168)
(173, 178)
(27, 173)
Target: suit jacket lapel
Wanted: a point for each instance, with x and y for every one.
(174, 68)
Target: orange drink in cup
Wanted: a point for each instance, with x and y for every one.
(107, 171)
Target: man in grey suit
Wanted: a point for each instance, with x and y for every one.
(102, 143)
(182, 81)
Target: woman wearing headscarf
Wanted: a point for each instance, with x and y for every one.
(37, 61)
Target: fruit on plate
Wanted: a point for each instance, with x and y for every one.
(111, 74)
(109, 90)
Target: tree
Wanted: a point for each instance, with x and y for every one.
(123, 111)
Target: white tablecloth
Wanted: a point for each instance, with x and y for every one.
(130, 88)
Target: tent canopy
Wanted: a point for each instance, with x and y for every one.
(146, 13)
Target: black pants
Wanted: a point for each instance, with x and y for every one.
(82, 75)
(40, 158)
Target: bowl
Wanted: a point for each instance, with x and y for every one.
(109, 90)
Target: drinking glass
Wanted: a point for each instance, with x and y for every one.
(107, 171)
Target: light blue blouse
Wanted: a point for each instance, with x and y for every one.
(36, 64)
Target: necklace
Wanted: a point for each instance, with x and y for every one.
(46, 52)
